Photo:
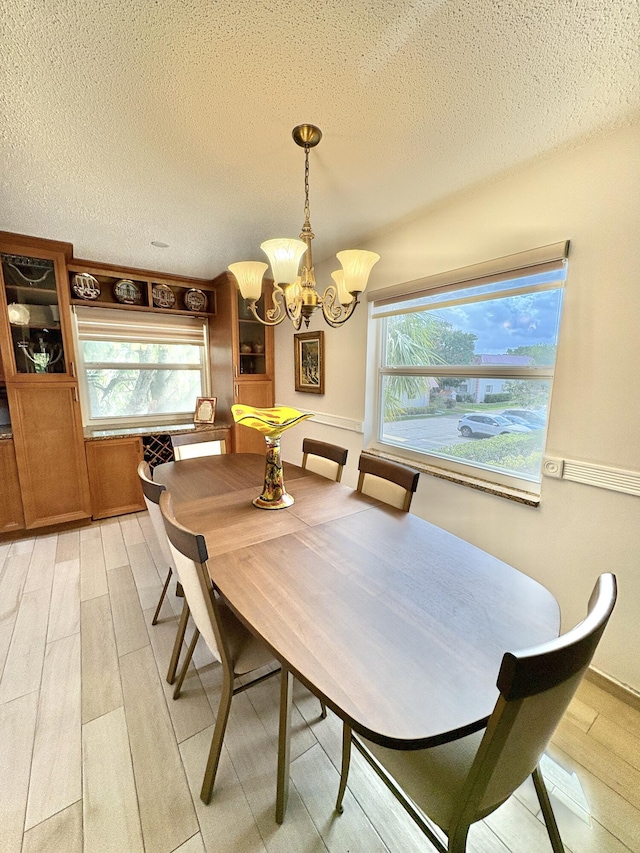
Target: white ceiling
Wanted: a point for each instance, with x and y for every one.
(127, 121)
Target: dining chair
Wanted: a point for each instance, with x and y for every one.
(200, 443)
(326, 459)
(237, 649)
(391, 482)
(152, 492)
(461, 782)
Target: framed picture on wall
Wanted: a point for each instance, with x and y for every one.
(309, 361)
(205, 410)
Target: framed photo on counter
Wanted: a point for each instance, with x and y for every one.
(205, 410)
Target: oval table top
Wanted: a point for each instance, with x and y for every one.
(398, 625)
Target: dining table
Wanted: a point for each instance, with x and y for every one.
(394, 623)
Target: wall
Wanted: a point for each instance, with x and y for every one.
(590, 195)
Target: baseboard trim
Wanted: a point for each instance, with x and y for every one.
(615, 688)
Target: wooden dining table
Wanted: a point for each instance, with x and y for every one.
(396, 624)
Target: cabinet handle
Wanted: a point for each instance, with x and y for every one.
(236, 388)
(73, 369)
(75, 395)
(235, 370)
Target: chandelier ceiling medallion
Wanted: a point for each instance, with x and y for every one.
(294, 293)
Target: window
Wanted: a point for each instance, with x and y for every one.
(139, 367)
(465, 366)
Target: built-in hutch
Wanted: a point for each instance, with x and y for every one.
(42, 388)
(242, 350)
(51, 470)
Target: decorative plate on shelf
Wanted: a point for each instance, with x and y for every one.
(85, 286)
(163, 296)
(195, 300)
(127, 292)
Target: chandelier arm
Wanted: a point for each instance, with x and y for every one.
(274, 316)
(294, 310)
(336, 324)
(336, 314)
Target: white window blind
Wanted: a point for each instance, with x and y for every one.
(508, 269)
(104, 324)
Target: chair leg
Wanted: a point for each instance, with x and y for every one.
(162, 596)
(346, 761)
(218, 736)
(457, 842)
(187, 661)
(547, 811)
(177, 644)
(323, 710)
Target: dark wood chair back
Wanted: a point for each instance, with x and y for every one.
(536, 686)
(402, 475)
(332, 452)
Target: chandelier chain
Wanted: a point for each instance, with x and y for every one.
(307, 211)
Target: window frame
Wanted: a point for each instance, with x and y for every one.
(150, 319)
(504, 269)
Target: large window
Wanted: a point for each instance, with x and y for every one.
(139, 367)
(466, 367)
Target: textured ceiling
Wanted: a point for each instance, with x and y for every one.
(127, 121)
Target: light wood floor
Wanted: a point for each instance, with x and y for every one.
(98, 757)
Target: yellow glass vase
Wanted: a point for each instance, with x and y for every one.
(271, 423)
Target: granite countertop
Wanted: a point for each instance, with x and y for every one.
(94, 434)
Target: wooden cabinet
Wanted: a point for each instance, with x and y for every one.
(113, 479)
(36, 350)
(49, 444)
(35, 324)
(242, 360)
(11, 513)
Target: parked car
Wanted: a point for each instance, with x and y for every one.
(530, 424)
(477, 424)
(526, 415)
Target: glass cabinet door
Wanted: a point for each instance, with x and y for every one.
(34, 314)
(251, 337)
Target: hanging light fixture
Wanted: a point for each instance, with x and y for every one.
(294, 294)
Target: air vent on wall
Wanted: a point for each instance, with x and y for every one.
(602, 476)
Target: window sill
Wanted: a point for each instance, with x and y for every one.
(511, 494)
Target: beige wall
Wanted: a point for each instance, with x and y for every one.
(592, 197)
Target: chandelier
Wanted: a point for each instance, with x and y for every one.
(294, 293)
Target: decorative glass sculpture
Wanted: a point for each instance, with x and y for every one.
(271, 423)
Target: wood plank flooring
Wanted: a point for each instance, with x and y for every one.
(97, 756)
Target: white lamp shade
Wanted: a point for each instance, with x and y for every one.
(357, 264)
(249, 277)
(343, 294)
(284, 256)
